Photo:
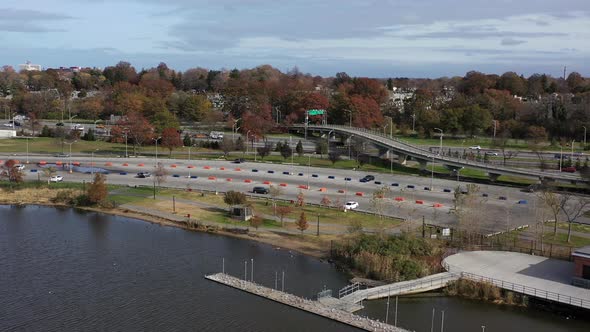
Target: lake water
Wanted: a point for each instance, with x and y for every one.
(67, 270)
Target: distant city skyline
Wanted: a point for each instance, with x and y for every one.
(388, 38)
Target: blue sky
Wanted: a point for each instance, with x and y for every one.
(385, 38)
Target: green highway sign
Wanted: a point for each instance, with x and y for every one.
(316, 112)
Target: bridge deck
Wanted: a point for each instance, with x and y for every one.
(314, 307)
(531, 275)
(405, 148)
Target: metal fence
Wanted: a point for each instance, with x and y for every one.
(349, 289)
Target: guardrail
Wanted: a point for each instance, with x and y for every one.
(527, 290)
(349, 289)
(415, 285)
(412, 149)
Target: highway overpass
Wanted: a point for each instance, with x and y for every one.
(423, 156)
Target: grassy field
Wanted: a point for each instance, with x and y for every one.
(561, 239)
(581, 228)
(484, 142)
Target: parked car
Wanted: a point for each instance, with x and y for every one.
(570, 169)
(56, 178)
(260, 190)
(475, 147)
(78, 127)
(59, 124)
(7, 125)
(144, 174)
(20, 167)
(367, 178)
(239, 161)
(351, 205)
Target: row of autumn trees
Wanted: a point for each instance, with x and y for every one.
(265, 99)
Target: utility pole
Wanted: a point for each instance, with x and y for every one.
(318, 228)
(432, 322)
(252, 273)
(387, 311)
(442, 322)
(395, 319)
(245, 270)
(283, 283)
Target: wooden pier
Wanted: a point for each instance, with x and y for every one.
(314, 307)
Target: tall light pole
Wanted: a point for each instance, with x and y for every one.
(156, 161)
(308, 169)
(247, 138)
(126, 154)
(572, 156)
(70, 156)
(413, 123)
(27, 149)
(91, 161)
(432, 172)
(349, 144)
(560, 156)
(95, 121)
(278, 114)
(584, 147)
(71, 118)
(291, 146)
(441, 137)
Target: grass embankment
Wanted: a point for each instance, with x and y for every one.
(561, 239)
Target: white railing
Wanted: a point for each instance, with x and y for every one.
(527, 290)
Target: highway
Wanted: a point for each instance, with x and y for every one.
(492, 213)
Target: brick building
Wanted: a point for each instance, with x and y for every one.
(582, 267)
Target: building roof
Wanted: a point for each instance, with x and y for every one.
(582, 252)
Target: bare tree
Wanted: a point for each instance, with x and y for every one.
(572, 207)
(502, 143)
(160, 174)
(553, 203)
(227, 145)
(283, 211)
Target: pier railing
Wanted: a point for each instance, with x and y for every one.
(522, 289)
(349, 289)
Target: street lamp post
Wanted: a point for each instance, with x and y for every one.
(495, 124)
(71, 118)
(308, 169)
(441, 137)
(584, 147)
(91, 161)
(27, 150)
(247, 138)
(70, 156)
(126, 154)
(328, 139)
(233, 129)
(291, 146)
(156, 161)
(349, 144)
(560, 156)
(572, 155)
(432, 172)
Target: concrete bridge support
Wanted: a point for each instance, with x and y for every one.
(402, 158)
(423, 163)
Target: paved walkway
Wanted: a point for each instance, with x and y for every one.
(532, 275)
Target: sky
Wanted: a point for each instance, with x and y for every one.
(374, 38)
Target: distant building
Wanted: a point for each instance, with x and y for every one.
(582, 267)
(29, 66)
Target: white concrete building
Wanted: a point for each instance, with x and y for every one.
(29, 66)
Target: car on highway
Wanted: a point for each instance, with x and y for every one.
(61, 155)
(144, 175)
(367, 178)
(475, 147)
(7, 125)
(570, 169)
(260, 190)
(20, 167)
(351, 205)
(239, 161)
(491, 153)
(56, 178)
(59, 124)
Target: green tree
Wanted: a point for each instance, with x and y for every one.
(186, 140)
(299, 149)
(321, 147)
(475, 119)
(171, 139)
(264, 151)
(256, 221)
(286, 150)
(89, 135)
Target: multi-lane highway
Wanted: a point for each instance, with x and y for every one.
(496, 209)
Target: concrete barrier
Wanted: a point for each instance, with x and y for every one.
(108, 164)
(212, 178)
(141, 164)
(173, 166)
(255, 170)
(76, 163)
(123, 173)
(42, 162)
(358, 193)
(341, 191)
(300, 174)
(395, 184)
(248, 181)
(377, 182)
(314, 175)
(419, 201)
(266, 182)
(287, 173)
(59, 163)
(282, 184)
(447, 190)
(190, 166)
(399, 199)
(323, 190)
(206, 167)
(302, 186)
(437, 205)
(331, 177)
(222, 168)
(125, 164)
(237, 169)
(175, 175)
(194, 176)
(271, 172)
(229, 179)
